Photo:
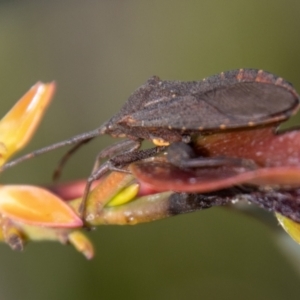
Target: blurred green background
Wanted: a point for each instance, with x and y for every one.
(99, 52)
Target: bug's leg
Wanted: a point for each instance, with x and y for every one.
(117, 163)
(98, 171)
(65, 158)
(115, 149)
(132, 156)
(104, 168)
(107, 152)
(183, 156)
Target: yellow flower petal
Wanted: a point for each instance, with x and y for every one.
(291, 227)
(36, 206)
(19, 124)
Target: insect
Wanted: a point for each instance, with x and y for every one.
(169, 113)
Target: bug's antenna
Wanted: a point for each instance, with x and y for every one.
(77, 139)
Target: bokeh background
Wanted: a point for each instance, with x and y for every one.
(99, 52)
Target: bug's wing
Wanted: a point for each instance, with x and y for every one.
(238, 105)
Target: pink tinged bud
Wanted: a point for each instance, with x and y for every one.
(36, 206)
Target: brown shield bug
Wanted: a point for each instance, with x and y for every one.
(171, 112)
